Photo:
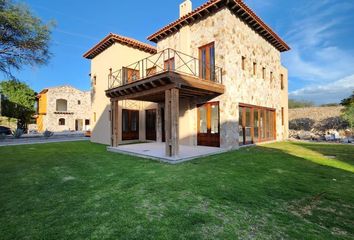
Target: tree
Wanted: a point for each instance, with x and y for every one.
(19, 101)
(24, 38)
(348, 111)
(348, 101)
(348, 114)
(300, 103)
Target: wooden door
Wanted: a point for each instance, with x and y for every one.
(207, 62)
(209, 124)
(169, 64)
(131, 75)
(130, 124)
(150, 124)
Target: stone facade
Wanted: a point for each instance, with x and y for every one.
(65, 109)
(233, 39)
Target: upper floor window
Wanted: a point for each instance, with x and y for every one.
(263, 72)
(62, 105)
(207, 62)
(271, 76)
(79, 102)
(282, 116)
(282, 81)
(243, 64)
(61, 121)
(254, 68)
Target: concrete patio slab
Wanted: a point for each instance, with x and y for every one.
(156, 151)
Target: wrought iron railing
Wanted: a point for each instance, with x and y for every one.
(166, 60)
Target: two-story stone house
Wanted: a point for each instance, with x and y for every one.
(214, 79)
(63, 108)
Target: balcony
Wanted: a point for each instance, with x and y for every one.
(147, 78)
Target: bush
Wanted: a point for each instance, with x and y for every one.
(47, 134)
(305, 124)
(17, 133)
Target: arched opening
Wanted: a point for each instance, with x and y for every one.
(62, 105)
(61, 121)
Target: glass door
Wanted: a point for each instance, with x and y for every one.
(209, 124)
(207, 62)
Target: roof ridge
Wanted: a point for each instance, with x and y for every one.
(196, 14)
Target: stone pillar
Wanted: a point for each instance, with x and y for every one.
(172, 122)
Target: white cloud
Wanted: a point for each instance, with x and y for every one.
(332, 92)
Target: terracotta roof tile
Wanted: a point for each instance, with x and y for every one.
(238, 7)
(113, 38)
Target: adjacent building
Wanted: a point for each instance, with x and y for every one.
(215, 78)
(63, 108)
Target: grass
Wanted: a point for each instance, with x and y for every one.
(79, 190)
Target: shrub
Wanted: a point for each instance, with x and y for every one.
(17, 133)
(47, 134)
(305, 124)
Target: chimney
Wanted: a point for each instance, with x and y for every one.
(185, 8)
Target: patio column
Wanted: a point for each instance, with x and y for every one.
(115, 123)
(159, 122)
(172, 122)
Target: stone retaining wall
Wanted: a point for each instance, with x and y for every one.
(315, 113)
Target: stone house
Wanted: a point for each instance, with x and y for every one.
(214, 79)
(63, 108)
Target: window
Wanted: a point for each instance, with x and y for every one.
(243, 63)
(207, 62)
(62, 122)
(130, 74)
(94, 80)
(61, 105)
(263, 72)
(87, 122)
(94, 117)
(79, 102)
(282, 116)
(256, 124)
(282, 81)
(254, 69)
(271, 76)
(169, 64)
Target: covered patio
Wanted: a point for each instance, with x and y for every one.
(164, 78)
(156, 150)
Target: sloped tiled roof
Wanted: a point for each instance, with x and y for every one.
(113, 38)
(238, 7)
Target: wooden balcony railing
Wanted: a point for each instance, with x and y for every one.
(166, 60)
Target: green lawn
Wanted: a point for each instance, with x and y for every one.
(80, 191)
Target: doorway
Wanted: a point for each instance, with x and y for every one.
(207, 62)
(130, 124)
(150, 124)
(79, 125)
(208, 124)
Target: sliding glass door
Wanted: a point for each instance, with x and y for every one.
(256, 124)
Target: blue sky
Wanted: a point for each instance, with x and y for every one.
(320, 33)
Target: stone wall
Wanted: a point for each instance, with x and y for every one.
(78, 108)
(233, 39)
(316, 122)
(315, 113)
